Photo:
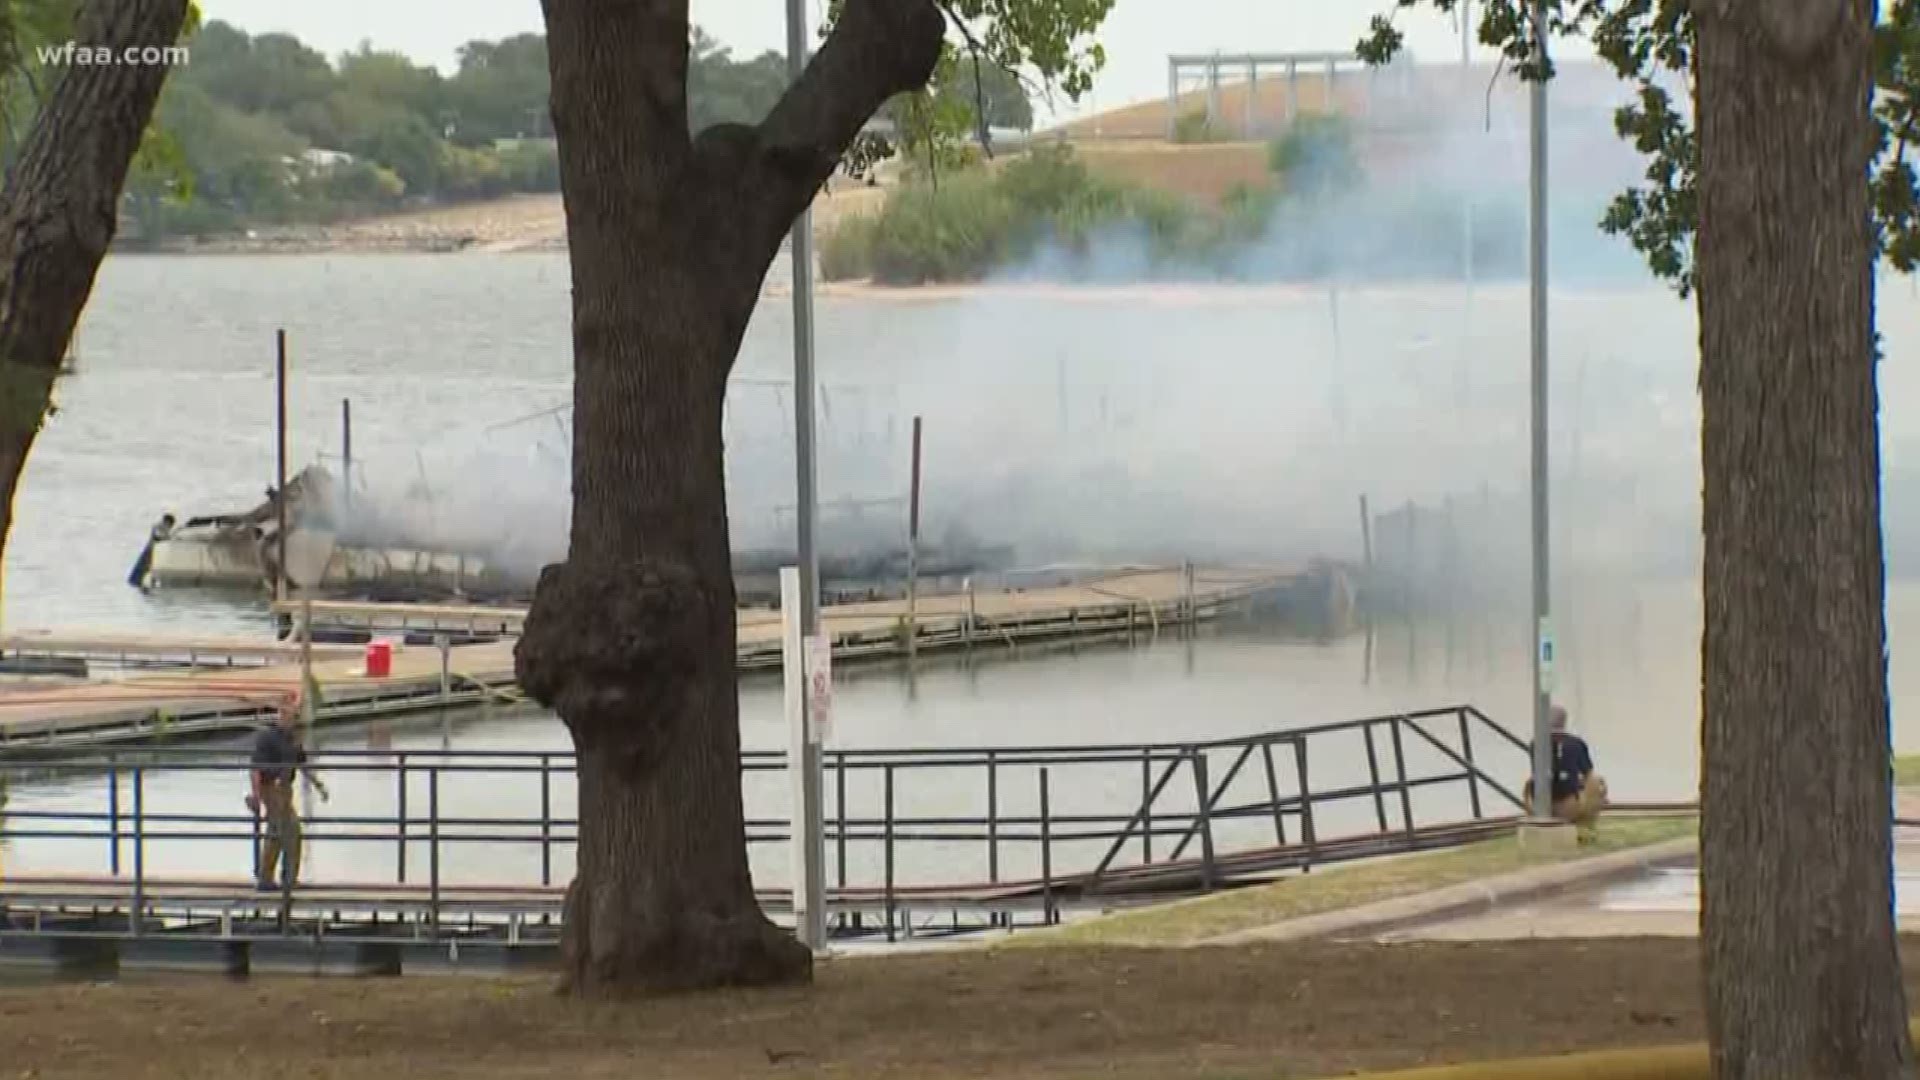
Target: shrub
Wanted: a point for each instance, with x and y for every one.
(1193, 127)
(1315, 155)
(956, 233)
(846, 253)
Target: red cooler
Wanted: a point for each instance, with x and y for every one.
(379, 659)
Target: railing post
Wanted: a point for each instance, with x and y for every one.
(1309, 836)
(1203, 792)
(888, 800)
(993, 817)
(546, 820)
(400, 804)
(1046, 851)
(1473, 769)
(1146, 807)
(1373, 772)
(113, 813)
(1273, 795)
(1400, 770)
(840, 819)
(136, 916)
(433, 852)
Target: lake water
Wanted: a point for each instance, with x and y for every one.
(1093, 424)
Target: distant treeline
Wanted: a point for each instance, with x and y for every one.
(263, 129)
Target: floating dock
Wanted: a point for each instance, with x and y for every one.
(192, 701)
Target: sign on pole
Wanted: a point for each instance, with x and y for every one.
(793, 663)
(819, 687)
(1546, 655)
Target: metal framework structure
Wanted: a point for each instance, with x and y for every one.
(1212, 70)
(918, 841)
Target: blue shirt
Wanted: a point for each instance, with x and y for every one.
(1571, 764)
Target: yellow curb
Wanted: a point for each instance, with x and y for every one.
(1660, 1063)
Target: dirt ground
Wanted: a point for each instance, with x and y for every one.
(1298, 1010)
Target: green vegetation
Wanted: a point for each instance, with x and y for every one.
(1193, 127)
(1906, 770)
(1316, 155)
(978, 221)
(261, 129)
(1190, 921)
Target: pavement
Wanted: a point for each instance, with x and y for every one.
(1652, 891)
(1487, 897)
(1659, 899)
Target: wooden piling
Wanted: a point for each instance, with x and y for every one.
(1412, 571)
(346, 455)
(280, 457)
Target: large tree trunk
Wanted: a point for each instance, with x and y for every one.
(631, 640)
(59, 209)
(1802, 975)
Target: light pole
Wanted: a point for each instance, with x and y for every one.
(309, 550)
(811, 926)
(1537, 281)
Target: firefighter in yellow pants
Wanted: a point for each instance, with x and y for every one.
(1579, 793)
(277, 754)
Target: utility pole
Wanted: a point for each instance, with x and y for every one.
(1542, 632)
(811, 926)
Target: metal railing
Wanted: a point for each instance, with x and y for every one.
(998, 830)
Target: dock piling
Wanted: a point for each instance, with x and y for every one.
(280, 455)
(913, 550)
(346, 456)
(1186, 580)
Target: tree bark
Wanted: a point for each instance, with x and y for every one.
(632, 639)
(59, 209)
(1801, 969)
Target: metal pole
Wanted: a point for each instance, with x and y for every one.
(307, 711)
(913, 550)
(813, 930)
(280, 459)
(1173, 98)
(1466, 199)
(1542, 628)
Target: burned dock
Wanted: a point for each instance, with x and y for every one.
(431, 672)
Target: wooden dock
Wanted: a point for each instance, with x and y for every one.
(197, 702)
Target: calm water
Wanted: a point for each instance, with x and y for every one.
(1216, 423)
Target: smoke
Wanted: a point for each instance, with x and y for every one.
(1220, 414)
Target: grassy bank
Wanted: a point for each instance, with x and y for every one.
(1189, 921)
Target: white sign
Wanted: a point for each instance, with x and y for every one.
(1546, 656)
(819, 669)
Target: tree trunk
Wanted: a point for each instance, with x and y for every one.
(59, 209)
(1802, 974)
(632, 639)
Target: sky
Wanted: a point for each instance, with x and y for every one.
(1138, 35)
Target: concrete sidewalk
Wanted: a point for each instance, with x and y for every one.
(1473, 898)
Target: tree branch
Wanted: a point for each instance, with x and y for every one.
(878, 49)
(60, 205)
